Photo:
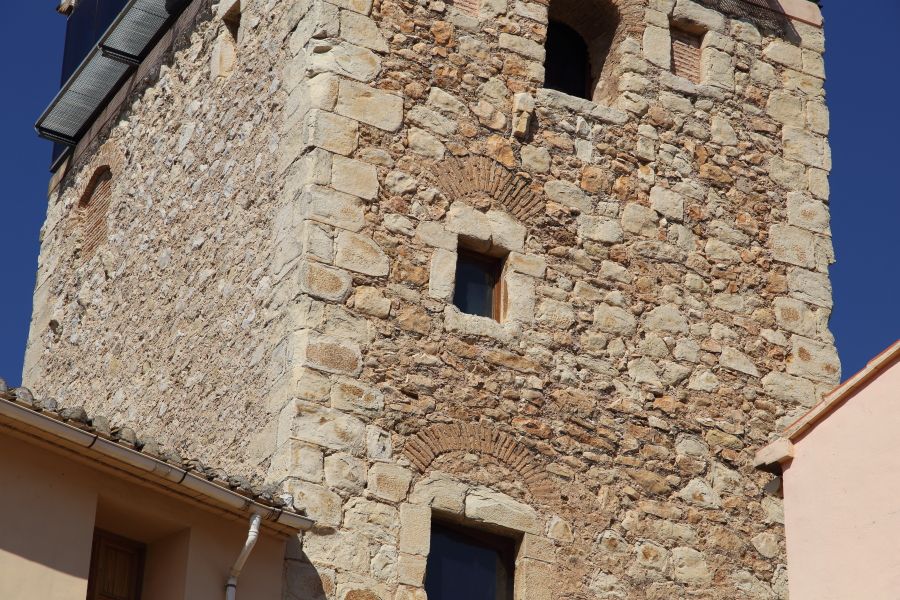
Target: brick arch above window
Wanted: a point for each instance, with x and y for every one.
(430, 443)
(477, 177)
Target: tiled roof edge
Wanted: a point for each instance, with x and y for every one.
(98, 426)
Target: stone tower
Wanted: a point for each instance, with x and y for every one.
(260, 253)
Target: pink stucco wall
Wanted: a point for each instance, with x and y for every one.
(50, 504)
(842, 499)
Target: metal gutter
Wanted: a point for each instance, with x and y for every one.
(184, 481)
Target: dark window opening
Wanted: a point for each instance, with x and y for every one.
(568, 65)
(465, 564)
(478, 284)
(117, 568)
(580, 37)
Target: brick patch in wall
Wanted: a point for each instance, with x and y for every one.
(480, 176)
(424, 447)
(686, 54)
(93, 212)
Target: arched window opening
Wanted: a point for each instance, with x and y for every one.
(93, 208)
(568, 67)
(579, 41)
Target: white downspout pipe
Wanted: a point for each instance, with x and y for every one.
(252, 536)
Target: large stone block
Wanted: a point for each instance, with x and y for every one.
(472, 226)
(369, 105)
(668, 203)
(639, 219)
(690, 566)
(321, 504)
(344, 59)
(332, 207)
(814, 360)
(793, 245)
(495, 508)
(389, 482)
(415, 529)
(345, 473)
(361, 254)
(354, 177)
(361, 30)
(324, 282)
(613, 319)
(441, 492)
(787, 388)
(795, 316)
(326, 427)
(692, 13)
(332, 132)
(806, 147)
(324, 353)
(658, 46)
(666, 318)
(442, 275)
(568, 194)
(523, 46)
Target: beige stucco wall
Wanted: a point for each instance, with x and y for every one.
(50, 505)
(842, 495)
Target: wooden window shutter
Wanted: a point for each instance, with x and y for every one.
(686, 54)
(94, 210)
(117, 568)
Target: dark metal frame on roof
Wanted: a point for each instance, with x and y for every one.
(126, 43)
(765, 13)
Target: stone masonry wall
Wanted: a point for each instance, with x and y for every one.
(276, 290)
(167, 327)
(667, 298)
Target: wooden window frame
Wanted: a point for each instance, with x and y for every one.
(138, 549)
(495, 266)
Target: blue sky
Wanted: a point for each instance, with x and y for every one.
(863, 90)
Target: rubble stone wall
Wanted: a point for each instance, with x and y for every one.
(167, 327)
(667, 296)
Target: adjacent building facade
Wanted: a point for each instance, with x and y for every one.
(838, 466)
(88, 512)
(530, 277)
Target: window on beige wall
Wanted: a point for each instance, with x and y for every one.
(117, 568)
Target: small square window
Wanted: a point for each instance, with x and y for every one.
(478, 284)
(686, 50)
(469, 564)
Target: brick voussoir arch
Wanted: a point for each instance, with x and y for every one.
(480, 176)
(108, 158)
(430, 443)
